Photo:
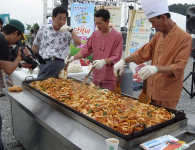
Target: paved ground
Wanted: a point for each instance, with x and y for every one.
(10, 143)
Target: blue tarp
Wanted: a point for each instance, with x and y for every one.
(5, 18)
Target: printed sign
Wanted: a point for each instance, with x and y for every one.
(115, 16)
(138, 33)
(5, 18)
(82, 21)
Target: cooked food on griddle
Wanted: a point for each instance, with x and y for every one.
(113, 110)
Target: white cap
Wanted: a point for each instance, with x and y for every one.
(153, 8)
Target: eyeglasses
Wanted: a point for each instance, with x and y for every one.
(61, 19)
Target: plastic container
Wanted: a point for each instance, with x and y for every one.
(137, 86)
(127, 81)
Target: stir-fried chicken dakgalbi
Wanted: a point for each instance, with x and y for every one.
(115, 111)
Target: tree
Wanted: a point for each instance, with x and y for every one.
(28, 26)
(35, 26)
(179, 8)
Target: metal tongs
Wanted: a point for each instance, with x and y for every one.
(143, 97)
(87, 76)
(117, 89)
(64, 72)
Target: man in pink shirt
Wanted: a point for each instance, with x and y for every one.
(105, 44)
(168, 50)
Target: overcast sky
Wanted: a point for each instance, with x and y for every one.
(31, 11)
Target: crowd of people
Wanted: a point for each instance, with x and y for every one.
(168, 50)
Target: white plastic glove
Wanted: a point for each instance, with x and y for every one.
(147, 71)
(65, 28)
(98, 64)
(69, 60)
(119, 66)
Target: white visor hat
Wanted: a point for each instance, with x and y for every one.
(153, 8)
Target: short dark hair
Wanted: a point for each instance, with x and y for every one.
(32, 31)
(1, 21)
(8, 29)
(59, 9)
(166, 14)
(103, 13)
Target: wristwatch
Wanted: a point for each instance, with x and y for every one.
(71, 30)
(19, 65)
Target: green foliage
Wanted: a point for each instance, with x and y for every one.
(28, 26)
(180, 8)
(35, 26)
(75, 50)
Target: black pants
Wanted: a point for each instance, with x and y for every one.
(52, 68)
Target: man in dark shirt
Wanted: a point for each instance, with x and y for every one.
(11, 33)
(2, 84)
(4, 46)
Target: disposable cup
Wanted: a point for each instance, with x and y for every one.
(112, 143)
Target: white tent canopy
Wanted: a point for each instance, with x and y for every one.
(179, 19)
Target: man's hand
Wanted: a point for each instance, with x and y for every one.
(26, 51)
(69, 60)
(19, 54)
(119, 66)
(65, 28)
(98, 64)
(25, 65)
(147, 71)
